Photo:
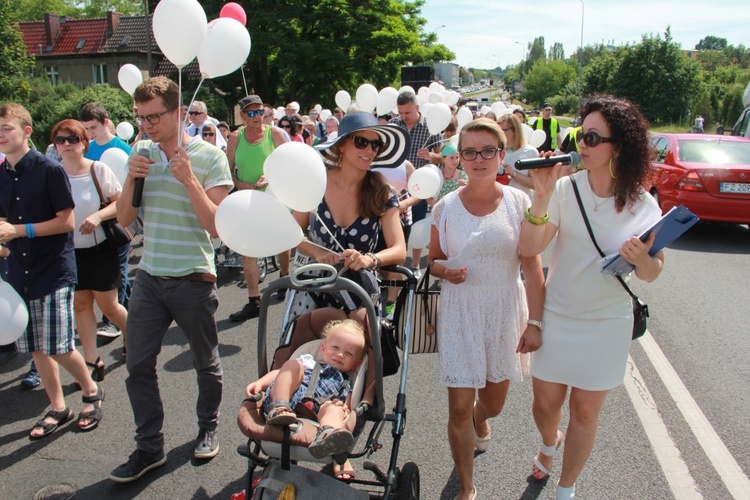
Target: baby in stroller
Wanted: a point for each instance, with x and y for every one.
(317, 390)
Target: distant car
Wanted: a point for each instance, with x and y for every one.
(709, 174)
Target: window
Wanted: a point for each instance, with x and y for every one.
(51, 72)
(100, 73)
(660, 145)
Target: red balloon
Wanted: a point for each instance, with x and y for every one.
(235, 11)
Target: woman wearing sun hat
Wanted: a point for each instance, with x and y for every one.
(358, 203)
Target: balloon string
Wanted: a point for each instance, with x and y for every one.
(436, 142)
(244, 80)
(192, 100)
(329, 231)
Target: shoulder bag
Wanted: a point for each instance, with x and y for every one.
(640, 308)
(113, 230)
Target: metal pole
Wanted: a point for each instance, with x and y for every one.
(148, 37)
(580, 58)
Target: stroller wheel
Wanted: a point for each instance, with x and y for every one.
(408, 482)
(263, 269)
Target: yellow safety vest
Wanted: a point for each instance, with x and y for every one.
(574, 137)
(553, 129)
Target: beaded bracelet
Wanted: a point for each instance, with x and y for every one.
(30, 234)
(375, 259)
(537, 221)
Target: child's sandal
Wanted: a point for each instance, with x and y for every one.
(281, 413)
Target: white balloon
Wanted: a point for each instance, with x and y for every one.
(464, 116)
(324, 115)
(255, 224)
(423, 99)
(279, 113)
(180, 29)
(420, 233)
(439, 118)
(527, 132)
(425, 108)
(537, 138)
(406, 88)
(485, 110)
(453, 98)
(367, 97)
(423, 91)
(318, 108)
(333, 135)
(343, 100)
(435, 97)
(424, 183)
(387, 100)
(454, 140)
(297, 174)
(125, 130)
(14, 316)
(563, 134)
(214, 58)
(436, 87)
(117, 160)
(499, 109)
(129, 78)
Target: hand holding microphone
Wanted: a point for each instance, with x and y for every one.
(572, 158)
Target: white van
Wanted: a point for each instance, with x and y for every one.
(742, 128)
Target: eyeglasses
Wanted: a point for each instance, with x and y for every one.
(194, 113)
(152, 119)
(487, 154)
(592, 139)
(285, 125)
(208, 134)
(254, 112)
(71, 139)
(362, 143)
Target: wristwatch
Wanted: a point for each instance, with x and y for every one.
(537, 323)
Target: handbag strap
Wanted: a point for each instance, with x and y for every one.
(593, 240)
(102, 202)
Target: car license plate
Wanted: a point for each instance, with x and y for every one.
(734, 187)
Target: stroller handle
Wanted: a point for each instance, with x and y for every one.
(329, 275)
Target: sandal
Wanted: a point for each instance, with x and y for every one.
(280, 413)
(539, 471)
(60, 417)
(94, 415)
(330, 441)
(343, 471)
(96, 370)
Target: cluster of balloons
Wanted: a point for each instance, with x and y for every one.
(258, 224)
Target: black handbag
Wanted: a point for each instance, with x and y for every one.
(640, 308)
(116, 234)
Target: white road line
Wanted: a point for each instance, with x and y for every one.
(678, 476)
(726, 466)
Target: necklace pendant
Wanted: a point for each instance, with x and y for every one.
(596, 208)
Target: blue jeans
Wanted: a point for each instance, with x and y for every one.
(123, 292)
(155, 303)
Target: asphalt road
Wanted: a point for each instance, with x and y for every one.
(698, 321)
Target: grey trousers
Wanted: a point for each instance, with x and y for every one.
(154, 303)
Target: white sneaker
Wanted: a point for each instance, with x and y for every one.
(109, 331)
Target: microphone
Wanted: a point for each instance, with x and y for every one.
(568, 159)
(138, 188)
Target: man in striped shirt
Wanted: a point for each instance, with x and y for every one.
(185, 179)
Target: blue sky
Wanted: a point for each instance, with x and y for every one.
(483, 33)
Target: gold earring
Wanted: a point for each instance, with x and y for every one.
(610, 169)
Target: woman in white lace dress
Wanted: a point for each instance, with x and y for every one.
(483, 335)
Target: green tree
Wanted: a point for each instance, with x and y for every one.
(547, 79)
(34, 10)
(99, 8)
(557, 51)
(536, 51)
(599, 72)
(711, 43)
(16, 65)
(656, 74)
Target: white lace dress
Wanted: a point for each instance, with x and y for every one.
(481, 320)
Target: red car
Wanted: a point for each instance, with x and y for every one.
(709, 174)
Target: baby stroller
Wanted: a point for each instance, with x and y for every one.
(278, 449)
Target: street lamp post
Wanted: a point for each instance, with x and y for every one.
(580, 58)
(436, 29)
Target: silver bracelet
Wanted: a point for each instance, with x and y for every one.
(375, 259)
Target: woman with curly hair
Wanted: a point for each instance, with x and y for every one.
(588, 318)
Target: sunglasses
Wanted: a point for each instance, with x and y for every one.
(208, 134)
(487, 154)
(194, 113)
(362, 143)
(254, 112)
(71, 139)
(592, 139)
(285, 125)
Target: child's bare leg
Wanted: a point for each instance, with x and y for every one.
(332, 414)
(287, 381)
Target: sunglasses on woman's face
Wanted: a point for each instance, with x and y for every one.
(71, 139)
(362, 143)
(592, 139)
(208, 134)
(285, 125)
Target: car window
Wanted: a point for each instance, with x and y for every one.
(715, 152)
(660, 145)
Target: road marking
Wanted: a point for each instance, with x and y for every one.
(678, 476)
(722, 460)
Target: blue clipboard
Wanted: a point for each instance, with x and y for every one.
(670, 227)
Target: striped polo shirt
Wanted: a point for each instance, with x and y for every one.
(175, 243)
